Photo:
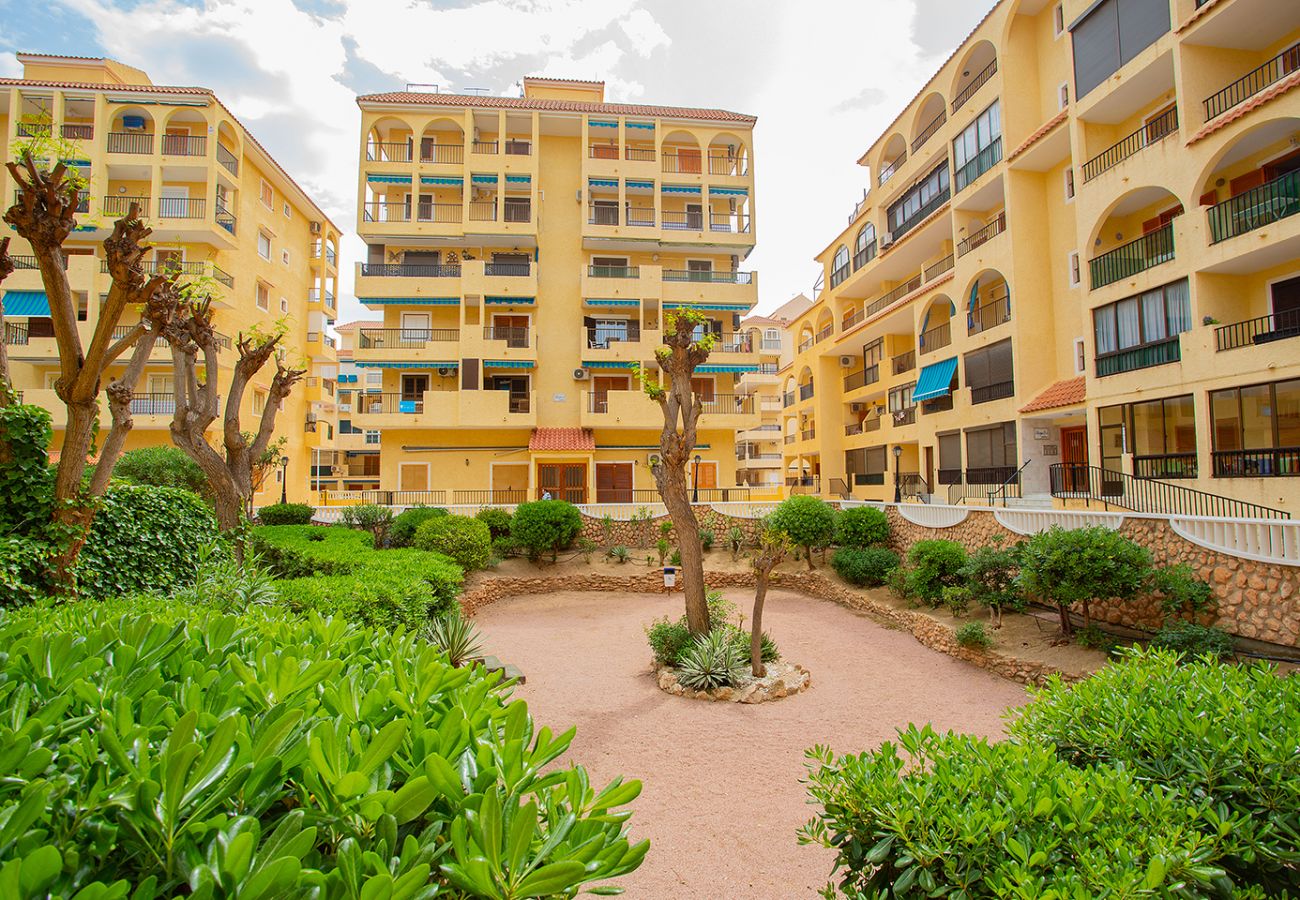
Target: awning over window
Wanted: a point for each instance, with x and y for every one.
(601, 124)
(935, 380)
(723, 307)
(509, 301)
(417, 364)
(648, 126)
(602, 182)
(443, 180)
(720, 369)
(27, 303)
(639, 185)
(681, 189)
(729, 192)
(595, 301)
(410, 301)
(519, 179)
(507, 363)
(607, 364)
(483, 179)
(388, 179)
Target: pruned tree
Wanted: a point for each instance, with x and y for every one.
(230, 470)
(6, 382)
(773, 546)
(678, 359)
(44, 216)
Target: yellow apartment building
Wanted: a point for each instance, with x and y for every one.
(1075, 275)
(220, 207)
(523, 253)
(758, 446)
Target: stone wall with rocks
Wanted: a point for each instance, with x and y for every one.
(1256, 600)
(643, 535)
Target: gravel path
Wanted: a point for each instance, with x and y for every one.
(722, 797)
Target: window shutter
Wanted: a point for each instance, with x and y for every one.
(469, 374)
(1141, 22)
(1096, 47)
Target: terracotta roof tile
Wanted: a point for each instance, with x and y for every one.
(1201, 12)
(1038, 135)
(561, 80)
(90, 86)
(1070, 392)
(562, 439)
(1232, 115)
(405, 98)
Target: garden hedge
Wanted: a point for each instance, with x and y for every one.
(402, 532)
(467, 541)
(286, 514)
(545, 526)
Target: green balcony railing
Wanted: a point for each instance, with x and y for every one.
(1157, 353)
(1126, 260)
(1255, 208)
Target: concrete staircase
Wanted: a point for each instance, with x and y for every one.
(1029, 501)
(492, 664)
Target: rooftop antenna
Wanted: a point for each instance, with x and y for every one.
(418, 87)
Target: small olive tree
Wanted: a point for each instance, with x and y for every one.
(773, 546)
(807, 521)
(1067, 566)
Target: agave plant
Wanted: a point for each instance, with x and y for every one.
(457, 637)
(711, 662)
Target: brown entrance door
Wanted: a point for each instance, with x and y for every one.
(1074, 459)
(601, 386)
(1286, 305)
(563, 481)
(929, 468)
(511, 329)
(614, 482)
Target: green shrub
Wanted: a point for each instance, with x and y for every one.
(676, 558)
(767, 646)
(467, 541)
(286, 514)
(497, 520)
(545, 526)
(620, 554)
(1079, 565)
(369, 517)
(224, 584)
(143, 539)
(956, 599)
(668, 639)
(806, 521)
(712, 661)
(735, 539)
(932, 566)
(706, 539)
(973, 635)
(26, 479)
(24, 570)
(165, 466)
(1209, 734)
(1180, 591)
(990, 576)
(861, 526)
(867, 567)
(1193, 641)
(401, 533)
(165, 750)
(1094, 638)
(299, 551)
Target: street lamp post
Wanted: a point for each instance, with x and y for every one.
(695, 481)
(284, 479)
(898, 487)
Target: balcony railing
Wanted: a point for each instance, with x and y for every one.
(729, 223)
(1261, 330)
(708, 277)
(153, 404)
(730, 342)
(442, 154)
(805, 391)
(77, 132)
(517, 147)
(987, 393)
(389, 404)
(1165, 465)
(1138, 255)
(824, 334)
(602, 215)
(228, 160)
(904, 362)
(897, 293)
(496, 496)
(975, 84)
(117, 205)
(856, 315)
(225, 219)
(806, 343)
(1157, 353)
(404, 338)
(677, 163)
(838, 275)
(16, 333)
(990, 315)
(888, 170)
(864, 256)
(1152, 132)
(508, 269)
(1111, 488)
(164, 267)
(184, 145)
(21, 261)
(790, 438)
(675, 220)
(1269, 463)
(808, 434)
(929, 130)
(936, 338)
(513, 335)
(1255, 208)
(726, 404)
(983, 235)
(223, 276)
(600, 337)
(181, 208)
(130, 142)
(787, 399)
(482, 211)
(639, 154)
(639, 217)
(727, 164)
(863, 378)
(937, 405)
(1253, 82)
(934, 270)
(438, 213)
(518, 209)
(977, 165)
(486, 148)
(923, 213)
(388, 151)
(614, 271)
(411, 270)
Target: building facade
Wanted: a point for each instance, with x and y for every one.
(220, 208)
(523, 253)
(1075, 276)
(758, 447)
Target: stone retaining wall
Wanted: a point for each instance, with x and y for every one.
(642, 536)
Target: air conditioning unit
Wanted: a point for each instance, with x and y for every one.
(444, 371)
(886, 240)
(345, 407)
(652, 460)
(581, 374)
(856, 407)
(847, 361)
(315, 228)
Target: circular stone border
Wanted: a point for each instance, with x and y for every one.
(782, 680)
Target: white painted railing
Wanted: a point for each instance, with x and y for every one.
(744, 510)
(622, 512)
(928, 516)
(1264, 540)
(1034, 521)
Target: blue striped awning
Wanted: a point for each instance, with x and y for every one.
(597, 301)
(519, 179)
(640, 185)
(483, 179)
(76, 163)
(726, 191)
(724, 307)
(607, 364)
(601, 124)
(444, 180)
(388, 179)
(723, 369)
(680, 188)
(508, 364)
(416, 364)
(649, 126)
(27, 303)
(935, 380)
(603, 182)
(509, 301)
(410, 301)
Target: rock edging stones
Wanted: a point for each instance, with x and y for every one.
(782, 680)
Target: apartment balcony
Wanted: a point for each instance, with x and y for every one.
(633, 409)
(691, 287)
(987, 393)
(903, 362)
(861, 379)
(149, 412)
(321, 346)
(498, 282)
(752, 381)
(447, 280)
(408, 344)
(1257, 331)
(629, 343)
(984, 160)
(983, 235)
(512, 343)
(1253, 209)
(1127, 260)
(669, 228)
(1253, 82)
(762, 432)
(445, 409)
(936, 338)
(759, 460)
(498, 217)
(1152, 132)
(983, 77)
(1157, 353)
(989, 316)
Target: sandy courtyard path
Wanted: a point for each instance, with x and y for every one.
(722, 797)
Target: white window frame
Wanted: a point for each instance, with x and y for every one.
(284, 256)
(261, 291)
(1080, 356)
(1074, 269)
(1063, 95)
(259, 401)
(284, 304)
(269, 247)
(371, 437)
(288, 211)
(1058, 20)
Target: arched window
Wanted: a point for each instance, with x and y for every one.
(841, 258)
(865, 237)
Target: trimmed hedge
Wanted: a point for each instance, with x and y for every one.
(402, 532)
(545, 526)
(163, 466)
(286, 514)
(867, 567)
(467, 541)
(861, 526)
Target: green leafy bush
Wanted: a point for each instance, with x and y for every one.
(26, 479)
(286, 514)
(496, 519)
(1192, 641)
(1095, 638)
(990, 576)
(619, 554)
(143, 539)
(1209, 734)
(735, 539)
(932, 566)
(401, 533)
(1066, 566)
(255, 756)
(166, 466)
(957, 599)
(466, 540)
(861, 526)
(24, 570)
(706, 539)
(668, 639)
(713, 661)
(545, 526)
(866, 567)
(369, 517)
(806, 521)
(973, 635)
(1180, 591)
(223, 583)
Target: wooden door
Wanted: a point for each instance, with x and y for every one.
(413, 388)
(688, 159)
(562, 481)
(511, 329)
(1074, 457)
(929, 468)
(601, 385)
(614, 482)
(413, 477)
(705, 474)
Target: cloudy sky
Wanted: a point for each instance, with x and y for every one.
(824, 78)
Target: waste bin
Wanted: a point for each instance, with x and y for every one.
(670, 576)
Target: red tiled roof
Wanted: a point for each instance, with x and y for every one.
(562, 439)
(405, 98)
(1042, 132)
(1232, 115)
(1070, 392)
(91, 86)
(357, 323)
(1200, 13)
(560, 80)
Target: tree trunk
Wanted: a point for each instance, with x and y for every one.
(672, 486)
(1067, 627)
(807, 552)
(756, 633)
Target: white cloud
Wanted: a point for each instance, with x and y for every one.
(645, 33)
(10, 67)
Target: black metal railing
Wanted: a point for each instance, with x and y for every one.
(600, 337)
(904, 362)
(787, 399)
(1260, 330)
(1165, 465)
(517, 209)
(496, 496)
(838, 275)
(438, 213)
(888, 170)
(1080, 481)
(400, 498)
(677, 220)
(388, 151)
(805, 391)
(22, 261)
(225, 219)
(913, 484)
(513, 335)
(922, 213)
(411, 270)
(153, 404)
(990, 315)
(117, 205)
(74, 131)
(228, 160)
(130, 142)
(508, 269)
(1267, 463)
(184, 145)
(980, 79)
(869, 375)
(1253, 82)
(937, 405)
(936, 338)
(825, 333)
(1152, 132)
(708, 277)
(934, 270)
(896, 293)
(1010, 487)
(1157, 353)
(869, 479)
(614, 271)
(853, 317)
(404, 338)
(989, 392)
(16, 333)
(983, 235)
(181, 208)
(977, 165)
(903, 417)
(1138, 255)
(929, 130)
(1255, 208)
(452, 154)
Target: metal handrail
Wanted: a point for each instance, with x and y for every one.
(1253, 82)
(1260, 330)
(411, 270)
(975, 84)
(1151, 132)
(1081, 481)
(404, 338)
(1269, 202)
(1002, 489)
(1132, 257)
(929, 130)
(981, 162)
(708, 277)
(976, 238)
